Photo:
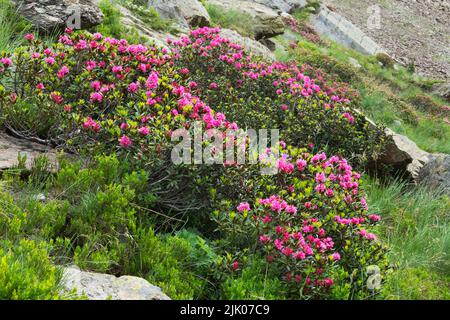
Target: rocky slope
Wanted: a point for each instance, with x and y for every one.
(412, 31)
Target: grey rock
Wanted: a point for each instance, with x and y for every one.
(283, 5)
(442, 90)
(48, 15)
(339, 29)
(187, 13)
(268, 43)
(99, 286)
(436, 172)
(253, 46)
(354, 63)
(267, 22)
(11, 147)
(403, 154)
(130, 20)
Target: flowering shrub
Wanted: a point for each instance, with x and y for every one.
(94, 94)
(112, 91)
(97, 94)
(312, 222)
(257, 94)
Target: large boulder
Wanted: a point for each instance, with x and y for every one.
(403, 155)
(99, 286)
(49, 15)
(130, 20)
(283, 5)
(187, 13)
(11, 147)
(436, 172)
(250, 45)
(267, 22)
(442, 90)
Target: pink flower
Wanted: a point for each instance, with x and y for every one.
(330, 192)
(301, 164)
(144, 131)
(29, 36)
(56, 97)
(117, 69)
(243, 206)
(328, 282)
(336, 256)
(124, 126)
(6, 61)
(63, 72)
(235, 265)
(264, 239)
(374, 217)
(133, 87)
(50, 61)
(48, 51)
(96, 85)
(320, 188)
(98, 36)
(213, 86)
(125, 142)
(40, 86)
(91, 124)
(152, 81)
(291, 209)
(320, 177)
(96, 97)
(349, 117)
(193, 85)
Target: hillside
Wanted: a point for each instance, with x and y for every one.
(412, 32)
(222, 150)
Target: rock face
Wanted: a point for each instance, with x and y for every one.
(48, 15)
(283, 5)
(129, 19)
(253, 46)
(98, 286)
(267, 22)
(404, 155)
(185, 12)
(10, 148)
(339, 29)
(411, 31)
(442, 90)
(423, 168)
(436, 172)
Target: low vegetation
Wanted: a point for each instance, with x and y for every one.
(117, 203)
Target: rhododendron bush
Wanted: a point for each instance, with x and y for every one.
(258, 94)
(92, 88)
(311, 220)
(93, 95)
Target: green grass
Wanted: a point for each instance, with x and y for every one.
(149, 16)
(112, 25)
(416, 227)
(12, 27)
(231, 19)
